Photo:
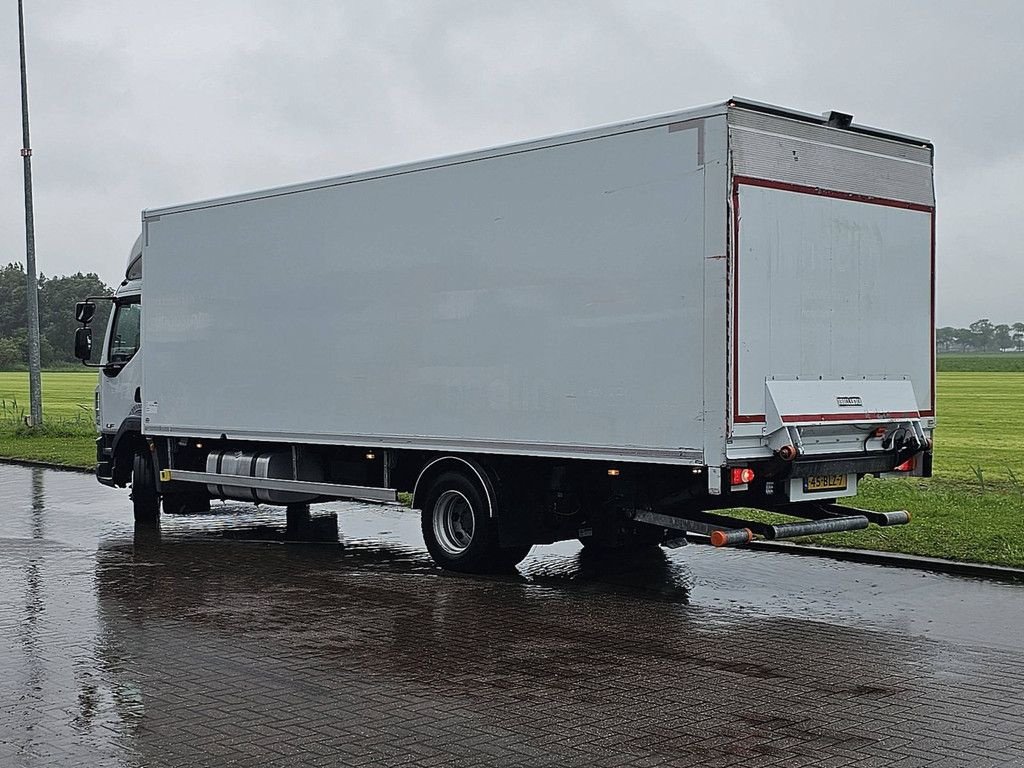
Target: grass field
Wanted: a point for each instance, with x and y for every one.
(991, 362)
(973, 509)
(69, 434)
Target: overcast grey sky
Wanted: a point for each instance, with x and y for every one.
(137, 104)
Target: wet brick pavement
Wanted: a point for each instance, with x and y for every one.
(211, 643)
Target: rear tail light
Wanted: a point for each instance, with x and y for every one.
(906, 466)
(742, 475)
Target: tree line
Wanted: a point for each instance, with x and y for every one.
(980, 336)
(57, 297)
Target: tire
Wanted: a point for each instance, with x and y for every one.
(145, 498)
(458, 530)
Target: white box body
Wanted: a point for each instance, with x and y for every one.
(622, 293)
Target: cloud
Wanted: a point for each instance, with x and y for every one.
(137, 105)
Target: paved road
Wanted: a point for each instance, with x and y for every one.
(213, 643)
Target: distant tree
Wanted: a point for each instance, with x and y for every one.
(981, 336)
(982, 332)
(1001, 338)
(57, 298)
(1018, 336)
(964, 338)
(10, 353)
(945, 338)
(12, 299)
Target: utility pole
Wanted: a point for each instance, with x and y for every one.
(31, 284)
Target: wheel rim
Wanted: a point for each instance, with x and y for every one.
(454, 522)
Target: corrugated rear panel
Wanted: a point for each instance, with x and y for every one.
(767, 146)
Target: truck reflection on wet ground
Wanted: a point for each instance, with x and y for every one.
(564, 565)
(186, 645)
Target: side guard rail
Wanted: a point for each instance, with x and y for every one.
(329, 490)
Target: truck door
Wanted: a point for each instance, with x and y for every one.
(120, 385)
(829, 288)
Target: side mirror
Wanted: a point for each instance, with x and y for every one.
(83, 341)
(84, 312)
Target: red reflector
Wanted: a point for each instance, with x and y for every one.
(742, 475)
(906, 466)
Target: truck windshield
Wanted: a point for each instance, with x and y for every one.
(124, 338)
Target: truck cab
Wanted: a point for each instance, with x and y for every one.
(119, 390)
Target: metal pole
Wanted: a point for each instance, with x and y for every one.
(31, 284)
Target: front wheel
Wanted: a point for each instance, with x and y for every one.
(459, 531)
(145, 498)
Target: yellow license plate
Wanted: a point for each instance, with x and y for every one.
(824, 483)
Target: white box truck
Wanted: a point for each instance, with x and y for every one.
(608, 335)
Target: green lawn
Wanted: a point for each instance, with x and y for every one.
(69, 434)
(949, 519)
(981, 361)
(980, 423)
(973, 509)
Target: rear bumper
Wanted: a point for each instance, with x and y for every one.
(842, 465)
(875, 463)
(778, 481)
(871, 464)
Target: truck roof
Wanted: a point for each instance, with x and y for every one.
(587, 134)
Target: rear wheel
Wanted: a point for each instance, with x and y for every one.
(145, 498)
(458, 529)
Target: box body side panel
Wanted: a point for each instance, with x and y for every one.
(547, 302)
